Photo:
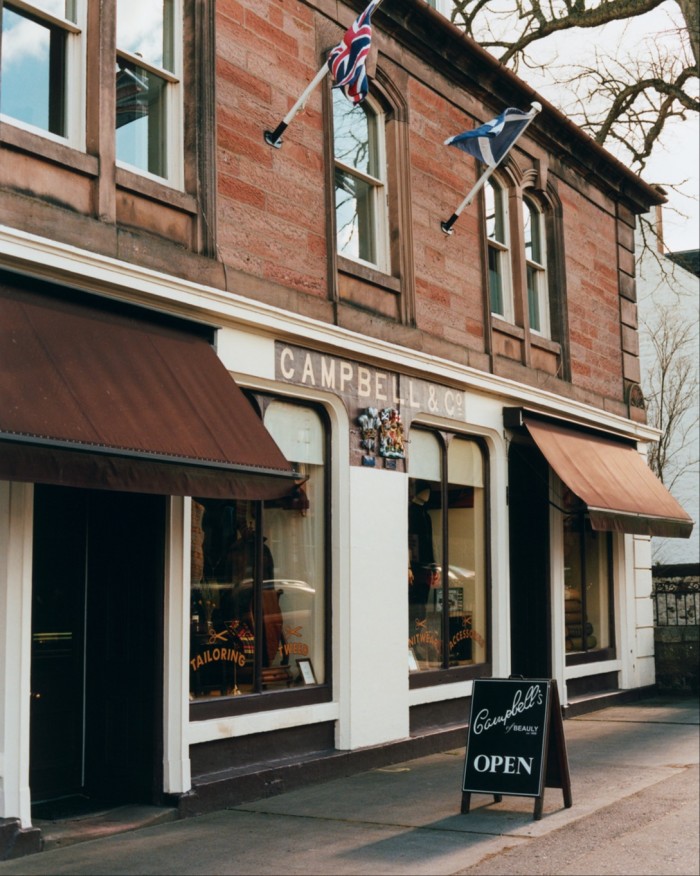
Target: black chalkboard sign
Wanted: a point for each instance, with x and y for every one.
(515, 743)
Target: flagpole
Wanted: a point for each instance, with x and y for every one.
(274, 138)
(447, 226)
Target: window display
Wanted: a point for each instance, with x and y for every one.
(446, 553)
(587, 591)
(258, 576)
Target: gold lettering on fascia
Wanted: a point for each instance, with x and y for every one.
(366, 385)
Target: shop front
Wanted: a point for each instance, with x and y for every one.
(580, 498)
(220, 593)
(439, 480)
(110, 413)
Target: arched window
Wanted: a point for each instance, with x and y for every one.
(259, 591)
(360, 181)
(498, 238)
(534, 240)
(447, 567)
(526, 278)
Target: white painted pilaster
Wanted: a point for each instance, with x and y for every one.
(16, 526)
(176, 756)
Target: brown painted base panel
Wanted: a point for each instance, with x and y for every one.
(256, 781)
(15, 841)
(603, 699)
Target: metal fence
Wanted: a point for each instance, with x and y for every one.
(676, 603)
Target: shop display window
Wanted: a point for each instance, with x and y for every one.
(258, 576)
(587, 589)
(447, 575)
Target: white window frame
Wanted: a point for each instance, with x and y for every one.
(74, 74)
(378, 187)
(539, 269)
(503, 250)
(174, 135)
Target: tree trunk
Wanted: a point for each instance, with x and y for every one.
(691, 14)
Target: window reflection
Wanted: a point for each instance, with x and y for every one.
(446, 547)
(538, 308)
(354, 217)
(145, 40)
(495, 226)
(354, 136)
(258, 576)
(141, 118)
(145, 28)
(359, 187)
(33, 66)
(587, 565)
(498, 261)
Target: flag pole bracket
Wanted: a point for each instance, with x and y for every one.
(448, 223)
(271, 140)
(274, 138)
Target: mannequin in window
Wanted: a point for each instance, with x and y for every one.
(242, 564)
(422, 572)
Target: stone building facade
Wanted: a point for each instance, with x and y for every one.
(283, 466)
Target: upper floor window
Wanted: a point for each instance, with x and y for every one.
(360, 181)
(526, 277)
(536, 270)
(41, 62)
(147, 79)
(498, 238)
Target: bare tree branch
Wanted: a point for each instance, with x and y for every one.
(627, 101)
(671, 391)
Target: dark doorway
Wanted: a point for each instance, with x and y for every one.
(528, 513)
(96, 679)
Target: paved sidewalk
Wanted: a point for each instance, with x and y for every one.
(635, 797)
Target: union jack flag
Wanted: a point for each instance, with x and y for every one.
(346, 61)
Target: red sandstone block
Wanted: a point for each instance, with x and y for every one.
(240, 191)
(242, 80)
(229, 10)
(269, 31)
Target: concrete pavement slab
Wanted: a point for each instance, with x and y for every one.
(405, 819)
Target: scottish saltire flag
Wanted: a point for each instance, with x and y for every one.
(490, 142)
(346, 61)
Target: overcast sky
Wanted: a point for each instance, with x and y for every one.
(677, 156)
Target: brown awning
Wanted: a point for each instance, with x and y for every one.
(621, 492)
(93, 394)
